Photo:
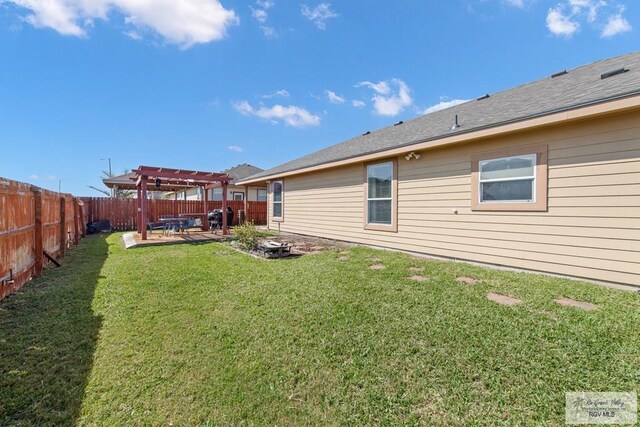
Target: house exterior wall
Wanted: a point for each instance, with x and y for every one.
(192, 193)
(591, 228)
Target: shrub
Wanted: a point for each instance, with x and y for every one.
(248, 236)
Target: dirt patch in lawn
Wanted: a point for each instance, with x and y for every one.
(307, 245)
(417, 278)
(377, 267)
(503, 299)
(569, 302)
(467, 280)
(343, 258)
(416, 269)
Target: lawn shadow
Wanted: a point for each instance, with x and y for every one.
(48, 335)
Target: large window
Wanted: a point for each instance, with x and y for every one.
(511, 179)
(262, 195)
(277, 200)
(381, 189)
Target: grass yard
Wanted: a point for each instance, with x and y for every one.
(201, 335)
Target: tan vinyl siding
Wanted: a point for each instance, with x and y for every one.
(591, 228)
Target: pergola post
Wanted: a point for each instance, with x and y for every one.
(246, 203)
(143, 214)
(225, 226)
(205, 203)
(139, 210)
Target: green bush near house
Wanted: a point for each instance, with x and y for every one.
(248, 236)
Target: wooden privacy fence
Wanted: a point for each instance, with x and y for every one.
(122, 213)
(34, 221)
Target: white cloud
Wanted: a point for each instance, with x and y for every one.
(259, 15)
(319, 14)
(516, 3)
(269, 32)
(381, 87)
(291, 115)
(616, 25)
(357, 103)
(444, 104)
(567, 17)
(184, 23)
(560, 24)
(235, 148)
(391, 97)
(132, 34)
(265, 4)
(334, 98)
(34, 176)
(282, 93)
(590, 6)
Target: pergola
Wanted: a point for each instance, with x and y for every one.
(165, 179)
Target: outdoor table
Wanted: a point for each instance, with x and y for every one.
(171, 222)
(204, 217)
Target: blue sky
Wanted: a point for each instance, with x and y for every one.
(204, 84)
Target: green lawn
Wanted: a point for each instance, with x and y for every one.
(203, 335)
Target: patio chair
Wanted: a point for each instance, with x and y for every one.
(155, 226)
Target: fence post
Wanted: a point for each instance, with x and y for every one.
(76, 222)
(38, 247)
(63, 228)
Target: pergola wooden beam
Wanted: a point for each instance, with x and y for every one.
(181, 174)
(177, 177)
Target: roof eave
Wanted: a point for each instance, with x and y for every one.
(617, 104)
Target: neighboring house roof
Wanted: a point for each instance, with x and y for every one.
(577, 88)
(242, 171)
(120, 180)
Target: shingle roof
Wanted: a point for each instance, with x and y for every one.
(242, 171)
(578, 87)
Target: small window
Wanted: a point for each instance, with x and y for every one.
(512, 179)
(381, 196)
(262, 195)
(217, 194)
(277, 200)
(237, 196)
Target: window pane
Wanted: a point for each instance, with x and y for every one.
(277, 191)
(508, 167)
(379, 212)
(277, 210)
(379, 179)
(217, 194)
(521, 190)
(262, 195)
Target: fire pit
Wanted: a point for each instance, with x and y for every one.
(271, 249)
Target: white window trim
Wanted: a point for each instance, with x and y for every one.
(393, 227)
(281, 202)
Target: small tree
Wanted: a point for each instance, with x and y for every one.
(248, 236)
